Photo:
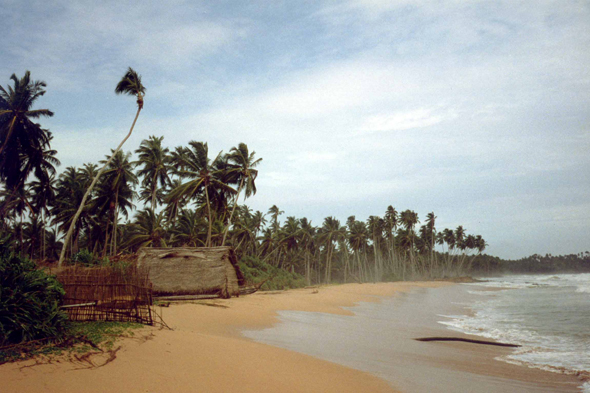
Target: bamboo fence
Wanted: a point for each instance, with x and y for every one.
(121, 294)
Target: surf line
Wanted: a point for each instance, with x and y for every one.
(467, 340)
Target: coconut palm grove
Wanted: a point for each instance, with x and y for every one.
(154, 195)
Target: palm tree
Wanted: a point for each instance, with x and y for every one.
(390, 227)
(173, 205)
(330, 232)
(449, 238)
(196, 165)
(20, 137)
(375, 225)
(244, 164)
(148, 229)
(307, 240)
(187, 231)
(116, 192)
(357, 238)
(43, 196)
(70, 191)
(155, 161)
(131, 85)
(274, 212)
(430, 222)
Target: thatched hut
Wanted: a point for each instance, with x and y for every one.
(192, 270)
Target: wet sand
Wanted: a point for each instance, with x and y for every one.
(206, 352)
(380, 339)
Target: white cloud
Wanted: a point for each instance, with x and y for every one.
(418, 118)
(497, 90)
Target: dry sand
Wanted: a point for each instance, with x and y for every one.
(205, 351)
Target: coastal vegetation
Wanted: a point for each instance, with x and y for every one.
(157, 196)
(31, 320)
(186, 196)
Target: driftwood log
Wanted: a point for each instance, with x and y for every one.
(467, 340)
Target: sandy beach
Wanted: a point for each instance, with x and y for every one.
(206, 352)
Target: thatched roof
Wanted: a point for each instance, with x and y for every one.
(192, 270)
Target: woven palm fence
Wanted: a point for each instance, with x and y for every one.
(121, 294)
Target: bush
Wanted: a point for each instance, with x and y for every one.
(29, 301)
(86, 258)
(255, 271)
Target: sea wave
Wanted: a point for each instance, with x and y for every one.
(532, 312)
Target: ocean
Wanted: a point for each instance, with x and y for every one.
(548, 315)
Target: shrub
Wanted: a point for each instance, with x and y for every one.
(29, 301)
(255, 271)
(86, 258)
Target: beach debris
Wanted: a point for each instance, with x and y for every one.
(467, 340)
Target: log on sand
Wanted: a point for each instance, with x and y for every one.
(467, 340)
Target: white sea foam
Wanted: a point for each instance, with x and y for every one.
(547, 315)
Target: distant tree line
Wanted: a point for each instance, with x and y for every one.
(534, 264)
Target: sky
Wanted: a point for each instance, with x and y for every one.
(477, 111)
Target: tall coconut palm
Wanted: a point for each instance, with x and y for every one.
(430, 224)
(70, 191)
(196, 166)
(390, 226)
(330, 232)
(187, 231)
(375, 225)
(243, 165)
(154, 161)
(131, 85)
(43, 192)
(19, 135)
(148, 230)
(275, 212)
(116, 191)
(358, 236)
(307, 240)
(173, 205)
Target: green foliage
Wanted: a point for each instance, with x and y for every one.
(101, 334)
(86, 258)
(81, 337)
(255, 271)
(540, 264)
(29, 301)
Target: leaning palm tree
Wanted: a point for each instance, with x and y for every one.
(131, 85)
(244, 164)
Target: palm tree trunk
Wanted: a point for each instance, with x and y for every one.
(89, 190)
(43, 234)
(20, 252)
(208, 242)
(106, 241)
(115, 222)
(8, 135)
(232, 211)
(154, 192)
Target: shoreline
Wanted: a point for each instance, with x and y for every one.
(207, 351)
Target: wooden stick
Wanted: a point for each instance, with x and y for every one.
(467, 340)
